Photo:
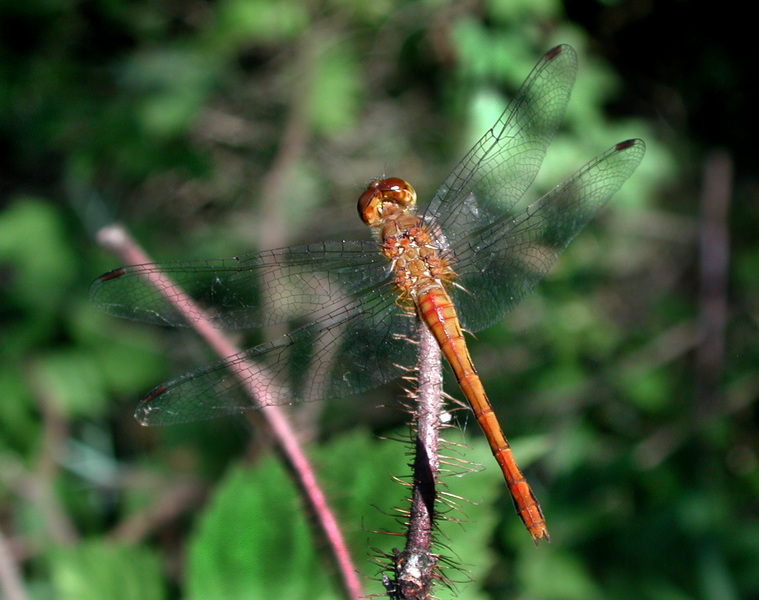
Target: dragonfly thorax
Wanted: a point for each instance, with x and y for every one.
(416, 259)
(385, 198)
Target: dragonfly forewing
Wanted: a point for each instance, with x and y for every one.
(253, 290)
(501, 264)
(497, 171)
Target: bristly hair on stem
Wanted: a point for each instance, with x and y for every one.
(416, 566)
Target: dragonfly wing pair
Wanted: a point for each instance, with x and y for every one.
(352, 331)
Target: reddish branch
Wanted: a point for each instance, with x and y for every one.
(117, 240)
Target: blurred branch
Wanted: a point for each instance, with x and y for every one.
(39, 487)
(117, 239)
(713, 267)
(295, 135)
(169, 503)
(10, 575)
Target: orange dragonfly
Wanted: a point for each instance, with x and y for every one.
(459, 265)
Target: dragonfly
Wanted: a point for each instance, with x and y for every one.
(354, 307)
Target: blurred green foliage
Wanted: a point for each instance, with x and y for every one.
(97, 569)
(212, 128)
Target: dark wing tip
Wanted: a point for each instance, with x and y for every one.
(116, 273)
(96, 288)
(628, 144)
(144, 409)
(555, 51)
(153, 394)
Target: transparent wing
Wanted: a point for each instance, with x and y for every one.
(355, 334)
(356, 347)
(497, 171)
(501, 264)
(253, 290)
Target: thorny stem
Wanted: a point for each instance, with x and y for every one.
(415, 566)
(118, 240)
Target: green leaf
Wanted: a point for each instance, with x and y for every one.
(254, 542)
(19, 423)
(97, 569)
(72, 379)
(570, 578)
(246, 22)
(336, 90)
(36, 246)
(129, 358)
(357, 472)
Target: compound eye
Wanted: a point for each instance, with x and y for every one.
(393, 183)
(399, 190)
(369, 204)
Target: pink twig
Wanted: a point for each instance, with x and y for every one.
(118, 240)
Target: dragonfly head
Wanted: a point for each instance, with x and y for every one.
(384, 197)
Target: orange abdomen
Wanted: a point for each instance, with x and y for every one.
(436, 309)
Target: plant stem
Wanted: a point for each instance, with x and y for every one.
(415, 566)
(118, 240)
